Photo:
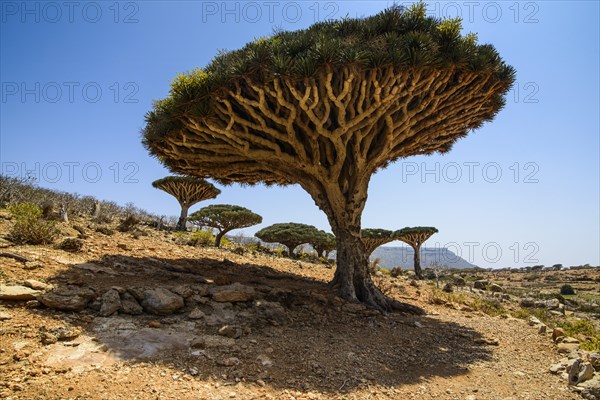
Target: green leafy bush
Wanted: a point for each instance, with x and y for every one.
(583, 328)
(201, 238)
(29, 227)
(567, 289)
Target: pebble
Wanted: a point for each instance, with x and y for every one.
(154, 324)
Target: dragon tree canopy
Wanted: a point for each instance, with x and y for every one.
(188, 190)
(295, 94)
(417, 231)
(373, 238)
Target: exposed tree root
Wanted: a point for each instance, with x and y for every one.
(375, 300)
(14, 256)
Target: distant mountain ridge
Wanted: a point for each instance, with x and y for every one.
(391, 257)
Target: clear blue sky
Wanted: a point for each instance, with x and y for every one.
(77, 79)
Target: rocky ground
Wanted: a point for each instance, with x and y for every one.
(137, 316)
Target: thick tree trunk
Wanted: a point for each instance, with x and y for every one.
(417, 262)
(291, 247)
(182, 219)
(352, 280)
(218, 238)
(344, 208)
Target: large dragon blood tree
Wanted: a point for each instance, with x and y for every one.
(325, 108)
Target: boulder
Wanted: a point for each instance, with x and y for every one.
(36, 285)
(230, 362)
(272, 311)
(183, 290)
(67, 298)
(481, 284)
(459, 280)
(552, 304)
(557, 368)
(221, 313)
(111, 303)
(17, 293)
(233, 293)
(71, 245)
(590, 389)
(594, 358)
(129, 305)
(231, 331)
(494, 287)
(448, 288)
(557, 333)
(527, 302)
(264, 360)
(196, 313)
(136, 292)
(580, 371)
(567, 348)
(161, 301)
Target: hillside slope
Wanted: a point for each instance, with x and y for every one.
(247, 326)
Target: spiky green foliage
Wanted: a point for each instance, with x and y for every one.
(417, 230)
(224, 218)
(188, 190)
(290, 234)
(373, 238)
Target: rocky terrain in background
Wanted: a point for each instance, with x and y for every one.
(134, 315)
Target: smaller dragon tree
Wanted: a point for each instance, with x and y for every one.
(224, 218)
(188, 191)
(324, 243)
(290, 234)
(415, 237)
(373, 238)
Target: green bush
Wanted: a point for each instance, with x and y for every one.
(585, 328)
(29, 227)
(202, 238)
(567, 289)
(279, 251)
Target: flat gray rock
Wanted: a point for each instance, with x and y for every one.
(17, 293)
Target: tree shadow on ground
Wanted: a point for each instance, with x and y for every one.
(318, 345)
